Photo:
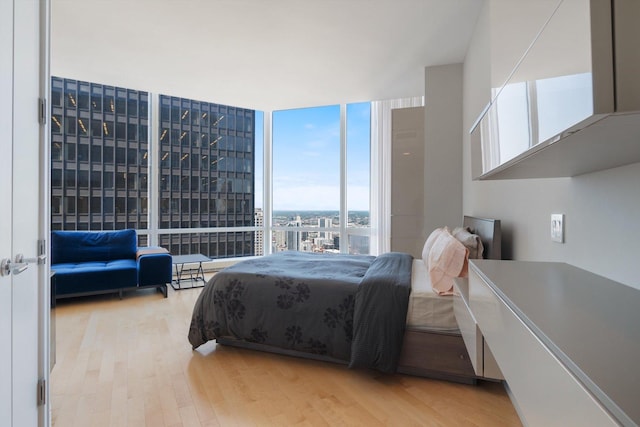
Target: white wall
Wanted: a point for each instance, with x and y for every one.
(602, 209)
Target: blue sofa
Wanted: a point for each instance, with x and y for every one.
(94, 262)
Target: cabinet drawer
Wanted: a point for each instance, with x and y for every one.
(470, 333)
(480, 355)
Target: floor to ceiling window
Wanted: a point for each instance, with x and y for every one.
(103, 145)
(358, 176)
(189, 175)
(308, 179)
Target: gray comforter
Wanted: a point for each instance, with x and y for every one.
(349, 307)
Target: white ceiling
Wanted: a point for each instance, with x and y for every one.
(261, 54)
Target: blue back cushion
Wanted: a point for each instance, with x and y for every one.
(83, 246)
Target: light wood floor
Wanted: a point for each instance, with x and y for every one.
(128, 363)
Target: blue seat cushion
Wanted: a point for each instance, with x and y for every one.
(95, 276)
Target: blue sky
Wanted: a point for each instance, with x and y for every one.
(306, 158)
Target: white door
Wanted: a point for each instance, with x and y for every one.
(23, 211)
(6, 83)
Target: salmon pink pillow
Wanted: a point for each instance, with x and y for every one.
(446, 260)
(429, 243)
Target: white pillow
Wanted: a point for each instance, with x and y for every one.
(470, 241)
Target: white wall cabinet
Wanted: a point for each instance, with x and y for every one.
(572, 103)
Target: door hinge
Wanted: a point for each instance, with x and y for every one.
(42, 111)
(42, 248)
(42, 392)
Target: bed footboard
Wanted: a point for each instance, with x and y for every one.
(436, 355)
(233, 342)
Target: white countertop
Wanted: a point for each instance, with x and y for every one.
(590, 323)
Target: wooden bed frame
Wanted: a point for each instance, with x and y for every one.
(439, 355)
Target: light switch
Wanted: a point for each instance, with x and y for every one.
(557, 228)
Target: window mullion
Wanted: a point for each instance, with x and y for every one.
(153, 189)
(532, 108)
(267, 191)
(344, 238)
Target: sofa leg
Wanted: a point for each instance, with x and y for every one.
(163, 289)
(120, 293)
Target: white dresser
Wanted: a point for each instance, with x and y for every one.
(567, 341)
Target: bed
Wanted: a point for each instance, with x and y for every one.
(364, 311)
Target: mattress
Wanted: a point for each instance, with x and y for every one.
(427, 310)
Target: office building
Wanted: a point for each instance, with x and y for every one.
(100, 146)
(206, 176)
(99, 156)
(259, 235)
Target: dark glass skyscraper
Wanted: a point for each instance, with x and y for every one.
(99, 156)
(100, 167)
(206, 176)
